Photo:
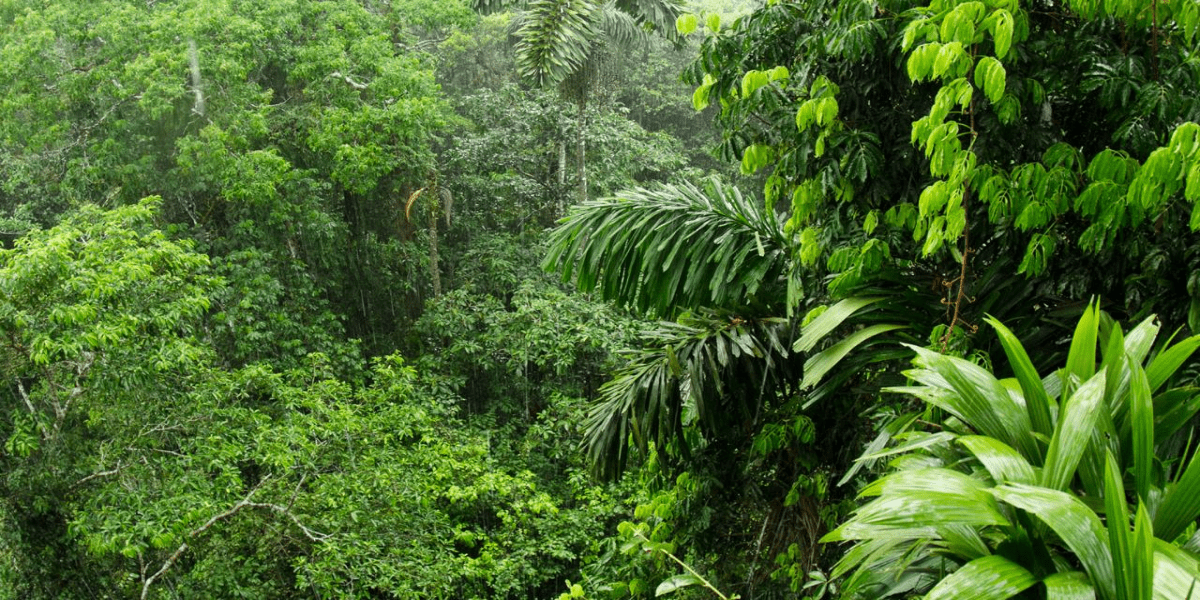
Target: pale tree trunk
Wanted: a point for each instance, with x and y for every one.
(434, 270)
(562, 170)
(582, 148)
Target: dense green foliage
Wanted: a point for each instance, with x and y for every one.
(275, 322)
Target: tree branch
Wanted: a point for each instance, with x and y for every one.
(233, 510)
(352, 83)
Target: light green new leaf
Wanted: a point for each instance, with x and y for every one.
(686, 23)
(1002, 32)
(988, 578)
(990, 77)
(1075, 424)
(1074, 522)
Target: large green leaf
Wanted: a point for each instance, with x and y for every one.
(675, 583)
(820, 364)
(1141, 560)
(1142, 422)
(555, 38)
(1069, 586)
(671, 249)
(1074, 522)
(1173, 409)
(1081, 359)
(829, 320)
(1167, 362)
(1004, 464)
(1176, 573)
(978, 398)
(1181, 504)
(1037, 401)
(1117, 514)
(986, 578)
(1072, 433)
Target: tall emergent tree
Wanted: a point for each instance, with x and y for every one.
(945, 160)
(564, 42)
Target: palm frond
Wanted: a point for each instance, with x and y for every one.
(488, 7)
(673, 248)
(659, 14)
(621, 28)
(555, 39)
(712, 371)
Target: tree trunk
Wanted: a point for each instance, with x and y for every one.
(582, 148)
(562, 172)
(435, 273)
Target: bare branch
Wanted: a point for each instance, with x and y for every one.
(97, 475)
(315, 536)
(32, 411)
(235, 509)
(352, 83)
(245, 502)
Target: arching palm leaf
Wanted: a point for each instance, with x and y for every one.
(713, 371)
(673, 248)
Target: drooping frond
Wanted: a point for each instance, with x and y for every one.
(674, 248)
(555, 39)
(660, 14)
(621, 28)
(712, 371)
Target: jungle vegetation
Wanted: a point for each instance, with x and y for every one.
(599, 299)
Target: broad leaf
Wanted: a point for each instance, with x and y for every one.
(1004, 464)
(1037, 401)
(1069, 586)
(818, 365)
(829, 320)
(675, 583)
(1074, 522)
(1074, 430)
(987, 578)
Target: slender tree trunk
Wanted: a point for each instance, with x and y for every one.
(562, 171)
(435, 272)
(581, 145)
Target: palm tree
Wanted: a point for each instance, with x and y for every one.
(559, 43)
(725, 273)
